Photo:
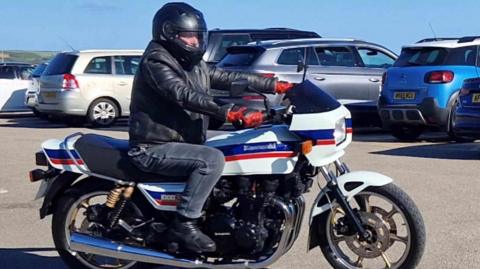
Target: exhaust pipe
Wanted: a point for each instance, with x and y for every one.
(98, 246)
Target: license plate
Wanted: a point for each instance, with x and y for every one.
(42, 190)
(476, 98)
(404, 95)
(50, 94)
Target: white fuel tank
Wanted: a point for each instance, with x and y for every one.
(260, 151)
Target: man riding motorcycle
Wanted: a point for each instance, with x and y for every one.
(170, 109)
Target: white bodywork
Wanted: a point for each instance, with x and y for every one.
(366, 179)
(163, 196)
(249, 142)
(323, 154)
(52, 147)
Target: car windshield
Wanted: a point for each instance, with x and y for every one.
(309, 98)
(432, 56)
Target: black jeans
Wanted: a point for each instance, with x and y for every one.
(201, 164)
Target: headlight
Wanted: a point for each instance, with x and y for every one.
(340, 133)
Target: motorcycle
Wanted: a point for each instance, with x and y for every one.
(109, 214)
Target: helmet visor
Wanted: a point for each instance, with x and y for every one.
(195, 40)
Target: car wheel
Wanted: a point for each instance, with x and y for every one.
(215, 124)
(407, 132)
(103, 112)
(451, 124)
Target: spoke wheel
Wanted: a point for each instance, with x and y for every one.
(77, 222)
(397, 235)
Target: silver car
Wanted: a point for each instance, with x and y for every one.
(350, 70)
(93, 84)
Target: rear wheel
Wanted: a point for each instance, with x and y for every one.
(103, 112)
(407, 132)
(69, 216)
(394, 223)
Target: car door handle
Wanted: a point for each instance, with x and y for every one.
(319, 78)
(374, 79)
(122, 83)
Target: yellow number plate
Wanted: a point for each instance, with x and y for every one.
(476, 98)
(404, 95)
(50, 94)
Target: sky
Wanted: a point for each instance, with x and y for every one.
(126, 24)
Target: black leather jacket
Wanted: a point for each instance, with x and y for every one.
(170, 104)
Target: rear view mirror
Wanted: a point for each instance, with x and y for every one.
(238, 87)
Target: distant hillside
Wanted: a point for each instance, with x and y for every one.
(33, 57)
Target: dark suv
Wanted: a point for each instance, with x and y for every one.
(220, 39)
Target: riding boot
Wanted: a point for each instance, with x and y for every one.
(185, 231)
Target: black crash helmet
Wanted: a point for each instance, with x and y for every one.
(182, 30)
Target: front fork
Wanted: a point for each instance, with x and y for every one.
(355, 222)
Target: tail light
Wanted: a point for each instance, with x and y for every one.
(69, 82)
(437, 77)
(464, 92)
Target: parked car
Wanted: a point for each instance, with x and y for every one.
(34, 88)
(466, 116)
(14, 80)
(91, 84)
(220, 39)
(420, 90)
(348, 69)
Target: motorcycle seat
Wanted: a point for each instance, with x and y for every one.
(109, 157)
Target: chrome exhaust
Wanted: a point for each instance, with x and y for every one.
(97, 246)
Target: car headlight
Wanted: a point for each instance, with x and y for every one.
(340, 133)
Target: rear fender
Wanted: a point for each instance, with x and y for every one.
(350, 184)
(59, 185)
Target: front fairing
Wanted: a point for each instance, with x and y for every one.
(319, 117)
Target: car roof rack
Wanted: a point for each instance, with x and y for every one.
(436, 39)
(466, 39)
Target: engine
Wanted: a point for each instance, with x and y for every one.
(250, 224)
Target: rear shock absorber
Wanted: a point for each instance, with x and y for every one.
(117, 199)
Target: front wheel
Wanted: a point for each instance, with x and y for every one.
(394, 223)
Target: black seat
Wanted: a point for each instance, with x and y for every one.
(108, 156)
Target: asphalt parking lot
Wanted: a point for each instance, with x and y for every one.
(440, 176)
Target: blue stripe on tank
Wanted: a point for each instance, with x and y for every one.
(254, 148)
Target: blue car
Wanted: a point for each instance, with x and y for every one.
(420, 91)
(466, 117)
